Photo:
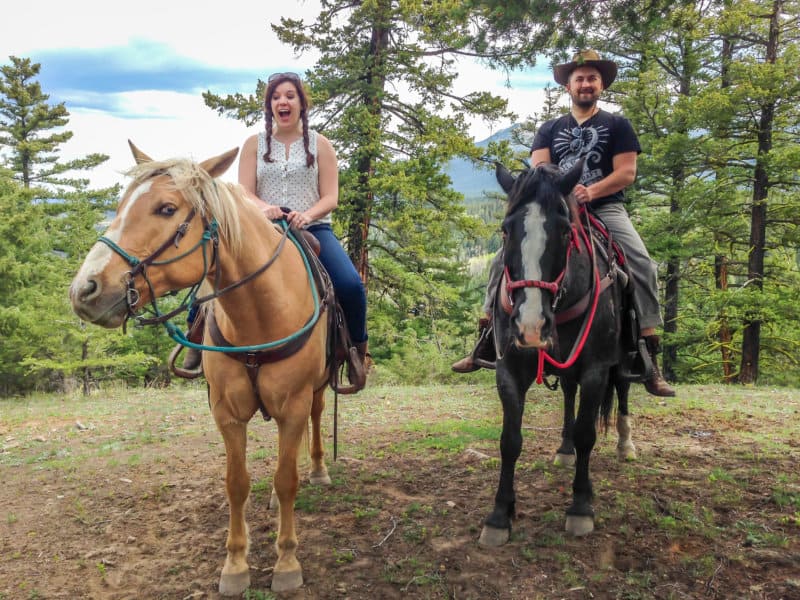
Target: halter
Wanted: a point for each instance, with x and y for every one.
(139, 267)
(210, 234)
(555, 288)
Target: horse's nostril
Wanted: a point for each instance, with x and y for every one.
(88, 290)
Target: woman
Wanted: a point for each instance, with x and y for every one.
(290, 165)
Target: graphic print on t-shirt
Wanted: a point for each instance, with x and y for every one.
(573, 143)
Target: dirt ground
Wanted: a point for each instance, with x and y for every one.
(121, 496)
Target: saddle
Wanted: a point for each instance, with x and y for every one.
(635, 362)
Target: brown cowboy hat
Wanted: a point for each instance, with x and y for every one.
(586, 58)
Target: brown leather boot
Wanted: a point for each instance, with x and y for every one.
(483, 355)
(357, 369)
(656, 385)
(193, 357)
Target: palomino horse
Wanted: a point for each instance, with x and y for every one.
(199, 228)
(557, 312)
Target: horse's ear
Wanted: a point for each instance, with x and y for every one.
(219, 164)
(139, 156)
(504, 177)
(568, 181)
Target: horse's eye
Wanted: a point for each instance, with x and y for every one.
(167, 210)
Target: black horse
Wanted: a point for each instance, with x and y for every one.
(558, 311)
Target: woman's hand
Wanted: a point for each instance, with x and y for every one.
(271, 211)
(298, 220)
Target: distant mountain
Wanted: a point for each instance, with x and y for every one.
(472, 181)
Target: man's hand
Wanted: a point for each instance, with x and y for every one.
(581, 193)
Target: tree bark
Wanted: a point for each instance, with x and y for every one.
(751, 338)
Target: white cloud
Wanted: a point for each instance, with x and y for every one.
(166, 124)
(180, 126)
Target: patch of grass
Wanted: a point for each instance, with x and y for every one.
(701, 567)
(408, 570)
(344, 555)
(260, 487)
(448, 436)
(260, 454)
(637, 586)
(549, 539)
(365, 513)
(785, 498)
(719, 475)
(758, 534)
(251, 594)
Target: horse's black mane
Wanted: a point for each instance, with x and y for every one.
(535, 185)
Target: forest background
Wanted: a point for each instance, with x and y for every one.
(711, 88)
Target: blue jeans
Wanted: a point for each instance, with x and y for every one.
(346, 281)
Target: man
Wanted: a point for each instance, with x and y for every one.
(610, 147)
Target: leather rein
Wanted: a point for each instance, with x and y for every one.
(210, 235)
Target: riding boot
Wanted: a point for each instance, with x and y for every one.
(656, 384)
(357, 369)
(483, 355)
(193, 357)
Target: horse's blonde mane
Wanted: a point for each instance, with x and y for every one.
(211, 198)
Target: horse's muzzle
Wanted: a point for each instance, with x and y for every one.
(533, 338)
(94, 304)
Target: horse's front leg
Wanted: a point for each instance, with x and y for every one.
(565, 455)
(580, 516)
(497, 526)
(235, 577)
(287, 574)
(319, 472)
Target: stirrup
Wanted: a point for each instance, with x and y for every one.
(636, 365)
(179, 371)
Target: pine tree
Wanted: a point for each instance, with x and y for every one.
(50, 221)
(383, 90)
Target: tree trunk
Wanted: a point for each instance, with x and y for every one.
(671, 296)
(86, 373)
(358, 229)
(751, 339)
(724, 335)
(720, 260)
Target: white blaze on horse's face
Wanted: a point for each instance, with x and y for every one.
(99, 256)
(531, 310)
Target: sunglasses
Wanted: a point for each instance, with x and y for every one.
(288, 75)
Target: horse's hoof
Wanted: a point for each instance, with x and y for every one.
(493, 537)
(564, 460)
(626, 453)
(319, 479)
(274, 503)
(578, 526)
(286, 581)
(234, 585)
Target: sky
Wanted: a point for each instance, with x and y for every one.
(138, 70)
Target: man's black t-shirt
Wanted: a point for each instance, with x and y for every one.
(599, 139)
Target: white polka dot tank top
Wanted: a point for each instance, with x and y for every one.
(289, 182)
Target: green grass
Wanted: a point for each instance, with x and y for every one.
(752, 432)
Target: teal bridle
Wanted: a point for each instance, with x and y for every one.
(210, 238)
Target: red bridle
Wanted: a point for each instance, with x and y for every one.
(551, 286)
(554, 287)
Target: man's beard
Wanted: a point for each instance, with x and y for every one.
(584, 101)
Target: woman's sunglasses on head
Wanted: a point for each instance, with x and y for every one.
(288, 75)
